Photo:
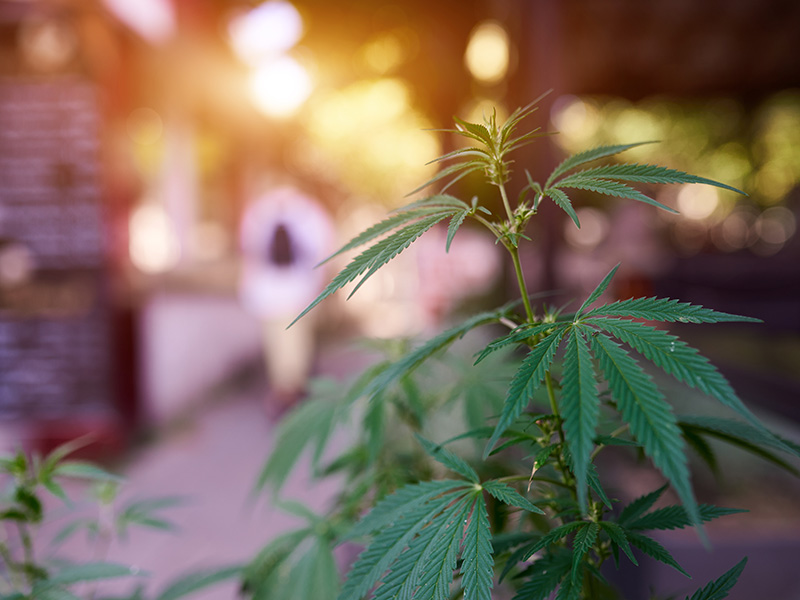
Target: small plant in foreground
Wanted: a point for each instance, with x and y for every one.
(30, 569)
(529, 510)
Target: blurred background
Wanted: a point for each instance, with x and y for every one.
(134, 135)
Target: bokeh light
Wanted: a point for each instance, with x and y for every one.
(154, 20)
(280, 87)
(488, 53)
(153, 244)
(371, 138)
(265, 31)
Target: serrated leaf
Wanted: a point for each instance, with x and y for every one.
(667, 310)
(597, 292)
(738, 430)
(465, 169)
(508, 495)
(477, 566)
(583, 542)
(437, 201)
(406, 574)
(472, 151)
(313, 576)
(650, 417)
(416, 357)
(649, 174)
(654, 550)
(676, 517)
(617, 536)
(580, 408)
(390, 542)
(402, 501)
(552, 537)
(608, 188)
(84, 470)
(452, 228)
(385, 226)
(525, 382)
(593, 479)
(91, 572)
(564, 203)
(523, 332)
(377, 255)
(475, 131)
(308, 426)
(544, 576)
(588, 156)
(677, 359)
(270, 558)
(640, 505)
(448, 459)
(198, 580)
(719, 588)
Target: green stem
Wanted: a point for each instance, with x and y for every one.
(507, 206)
(523, 288)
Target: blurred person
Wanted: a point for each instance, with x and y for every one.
(284, 234)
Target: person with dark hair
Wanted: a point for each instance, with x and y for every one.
(284, 235)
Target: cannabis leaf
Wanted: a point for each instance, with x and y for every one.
(719, 588)
(525, 382)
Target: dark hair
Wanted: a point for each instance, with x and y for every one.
(280, 251)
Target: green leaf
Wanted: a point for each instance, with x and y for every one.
(477, 566)
(416, 357)
(553, 536)
(475, 131)
(677, 359)
(564, 203)
(649, 174)
(728, 428)
(597, 292)
(199, 580)
(651, 420)
(92, 572)
(719, 588)
(404, 500)
(259, 573)
(525, 382)
(308, 426)
(508, 495)
(313, 576)
(448, 459)
(617, 536)
(466, 168)
(437, 575)
(392, 540)
(84, 470)
(377, 255)
(593, 479)
(583, 542)
(523, 332)
(580, 408)
(388, 224)
(654, 550)
(676, 517)
(665, 309)
(640, 506)
(46, 591)
(587, 156)
(608, 188)
(544, 575)
(455, 223)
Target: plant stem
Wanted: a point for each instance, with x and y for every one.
(523, 288)
(507, 206)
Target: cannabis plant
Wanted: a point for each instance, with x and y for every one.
(30, 565)
(529, 513)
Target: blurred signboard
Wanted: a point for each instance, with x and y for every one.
(55, 338)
